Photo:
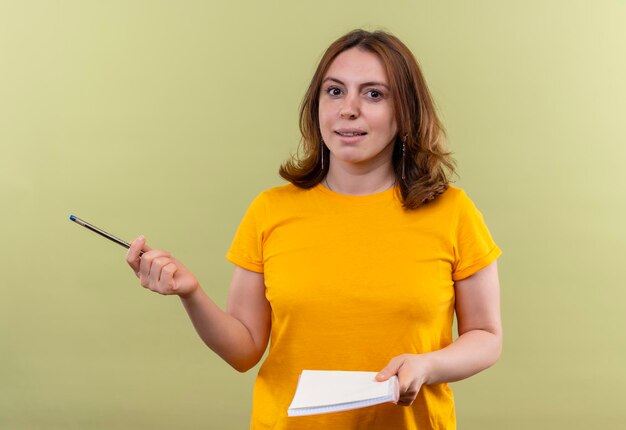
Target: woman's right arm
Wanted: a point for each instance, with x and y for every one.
(239, 335)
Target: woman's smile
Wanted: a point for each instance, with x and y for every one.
(351, 136)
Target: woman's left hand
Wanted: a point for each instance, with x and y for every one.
(412, 372)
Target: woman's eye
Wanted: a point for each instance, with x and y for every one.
(375, 94)
(333, 91)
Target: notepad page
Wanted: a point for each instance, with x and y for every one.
(296, 412)
(322, 388)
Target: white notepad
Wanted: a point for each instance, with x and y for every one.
(323, 391)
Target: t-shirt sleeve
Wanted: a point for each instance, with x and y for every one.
(246, 249)
(474, 248)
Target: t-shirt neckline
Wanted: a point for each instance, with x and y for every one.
(381, 196)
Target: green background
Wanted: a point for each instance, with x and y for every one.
(166, 118)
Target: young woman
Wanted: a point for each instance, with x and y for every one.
(360, 262)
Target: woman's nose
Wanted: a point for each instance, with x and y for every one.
(350, 108)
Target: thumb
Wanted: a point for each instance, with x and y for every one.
(141, 241)
(145, 248)
(390, 370)
(135, 251)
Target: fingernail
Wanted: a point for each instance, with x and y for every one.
(141, 238)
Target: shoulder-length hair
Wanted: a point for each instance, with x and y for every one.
(428, 165)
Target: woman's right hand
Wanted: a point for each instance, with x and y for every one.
(158, 271)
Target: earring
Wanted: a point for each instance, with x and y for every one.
(403, 157)
(322, 153)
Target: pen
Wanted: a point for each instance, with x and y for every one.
(102, 232)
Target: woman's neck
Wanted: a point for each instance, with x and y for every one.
(359, 182)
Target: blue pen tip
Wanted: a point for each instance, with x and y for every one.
(72, 217)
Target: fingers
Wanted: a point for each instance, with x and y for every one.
(409, 377)
(150, 267)
(166, 282)
(409, 385)
(159, 261)
(133, 256)
(155, 268)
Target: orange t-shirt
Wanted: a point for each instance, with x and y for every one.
(354, 281)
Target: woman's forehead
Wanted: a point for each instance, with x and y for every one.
(357, 65)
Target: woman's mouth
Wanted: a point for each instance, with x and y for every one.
(350, 133)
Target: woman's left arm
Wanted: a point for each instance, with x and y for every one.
(478, 346)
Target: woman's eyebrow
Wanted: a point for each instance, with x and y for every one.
(365, 84)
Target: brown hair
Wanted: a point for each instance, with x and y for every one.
(428, 164)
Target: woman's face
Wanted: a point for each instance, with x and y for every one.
(356, 114)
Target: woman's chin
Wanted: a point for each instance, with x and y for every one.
(355, 158)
